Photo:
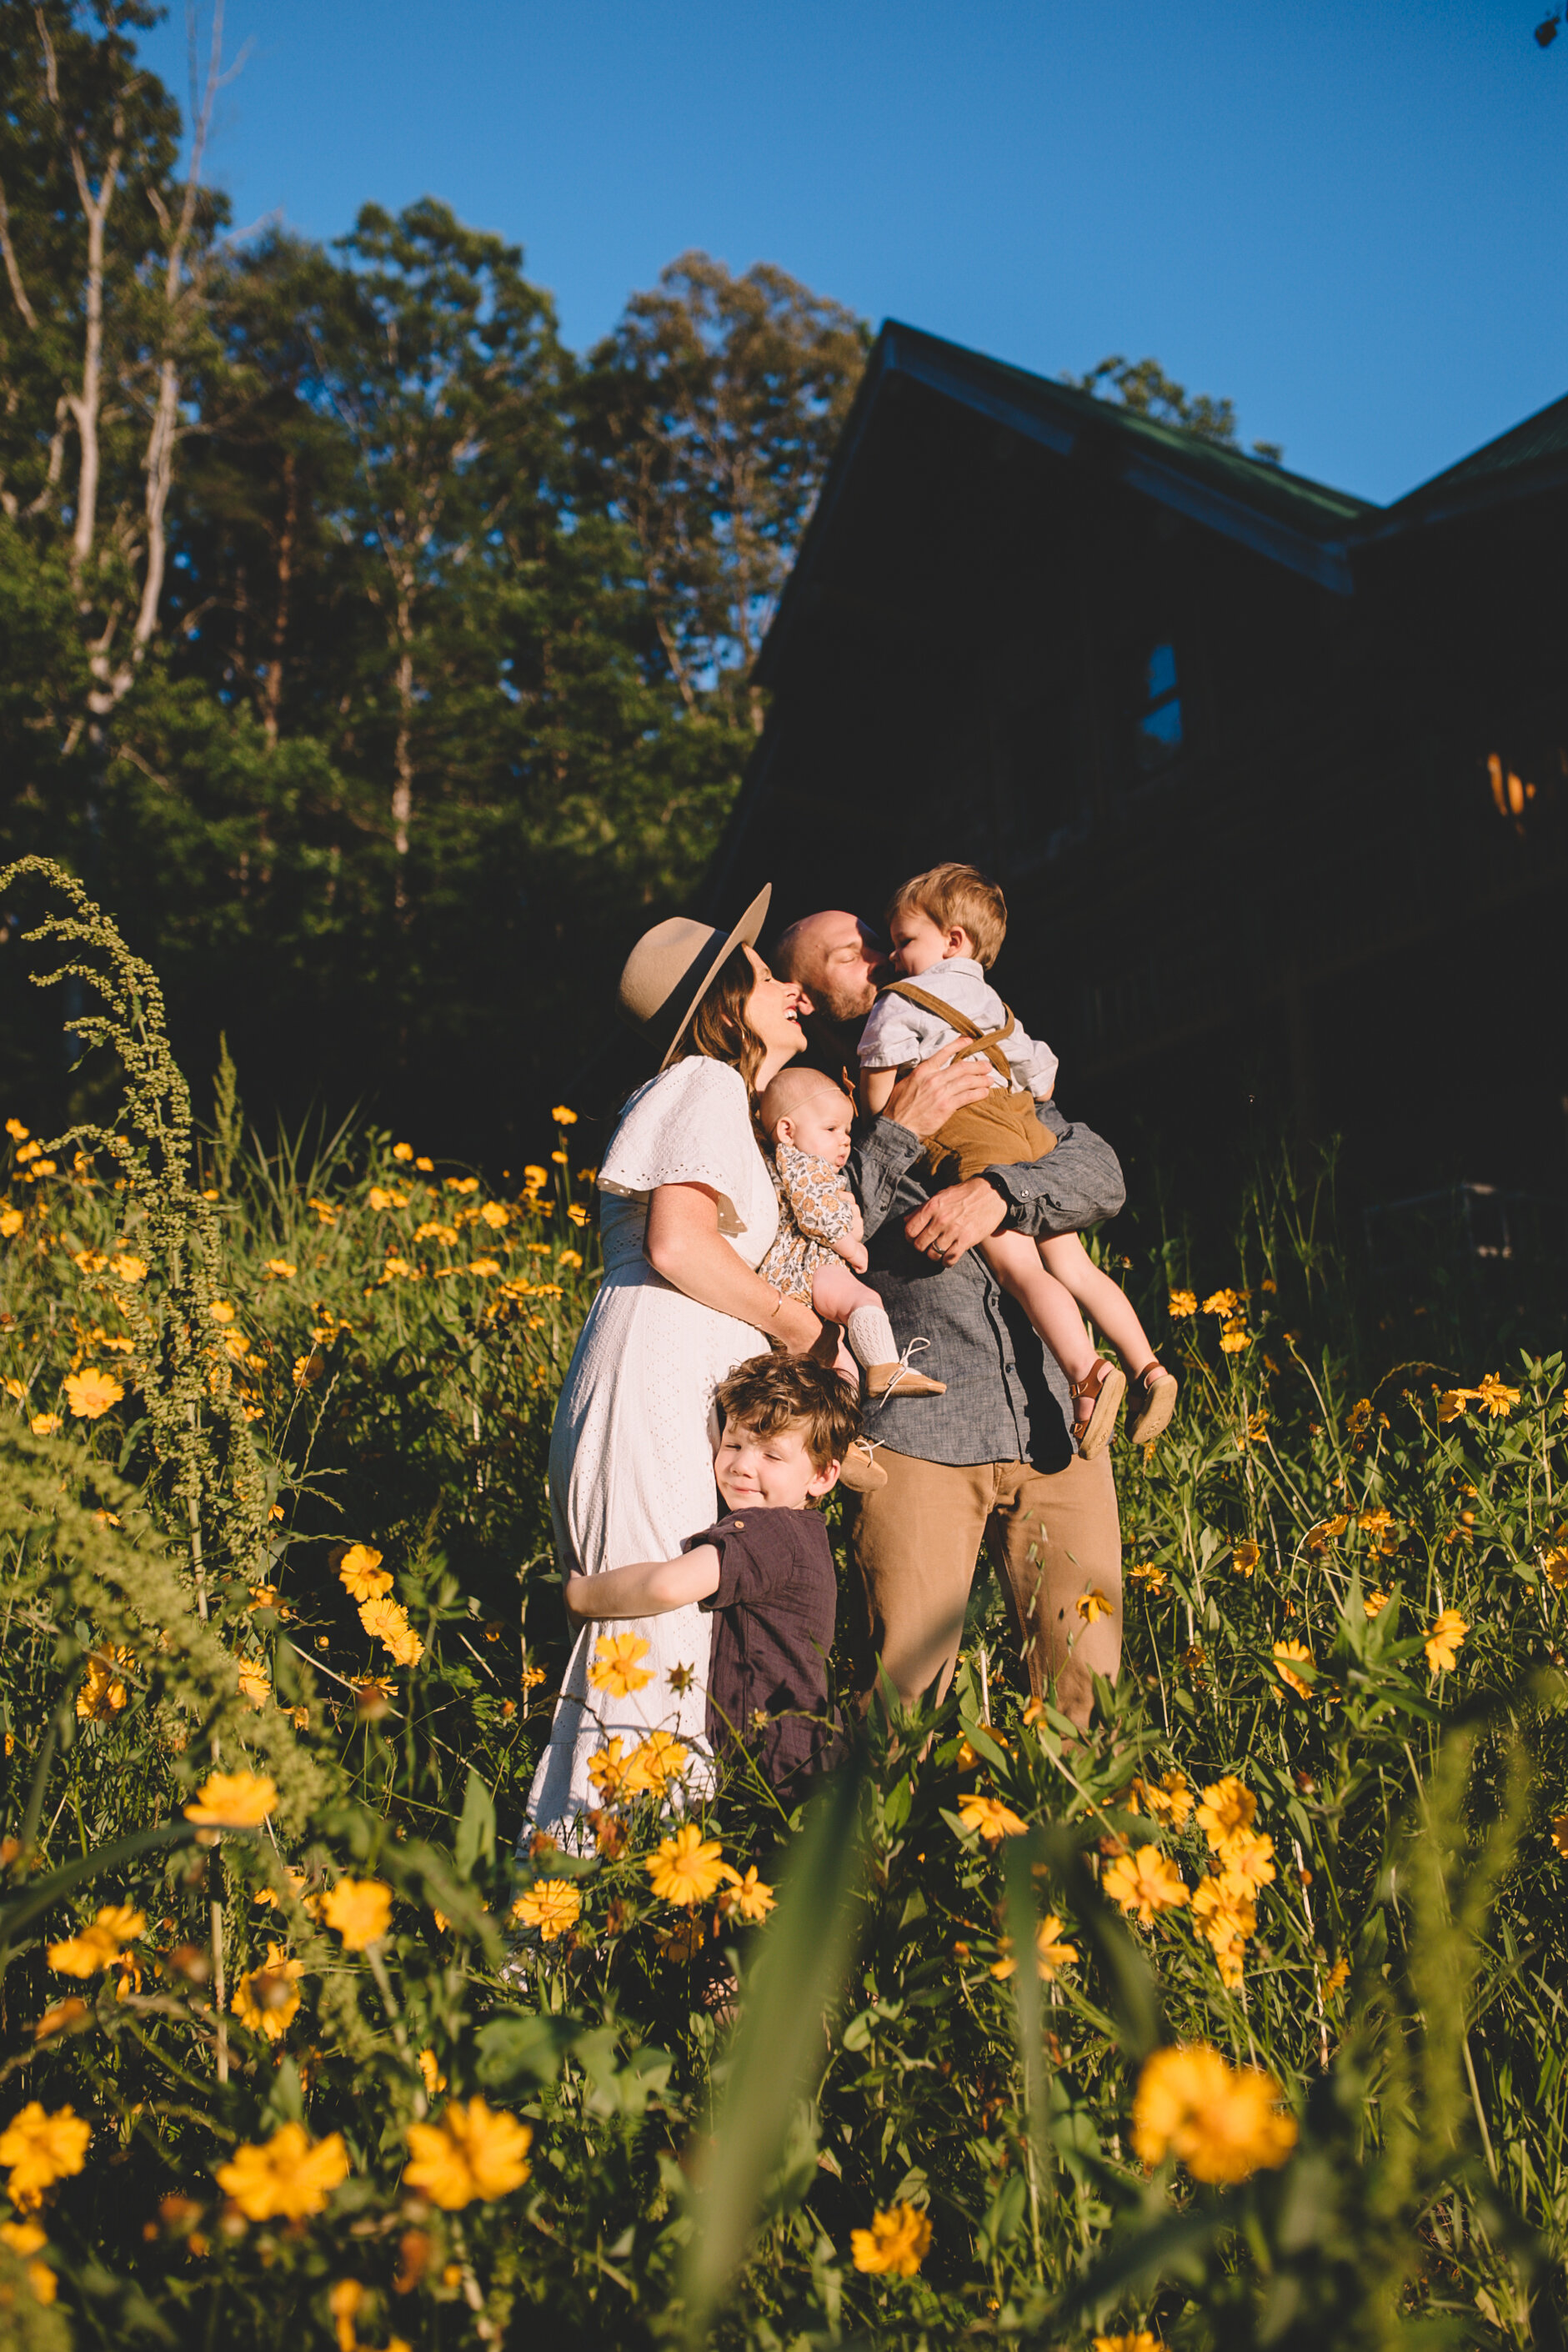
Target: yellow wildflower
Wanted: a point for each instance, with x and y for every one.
(41, 2149)
(434, 1230)
(281, 1269)
(653, 1764)
(746, 1898)
(473, 2152)
(1245, 1558)
(1144, 1881)
(55, 2020)
(534, 1176)
(1223, 2122)
(387, 1621)
(233, 1800)
(1051, 1953)
(1374, 1604)
(11, 1222)
(1288, 1655)
(90, 1394)
(1169, 1799)
(1560, 1833)
(128, 1267)
(379, 1198)
(561, 1156)
(1092, 1604)
(550, 1905)
(101, 1945)
(287, 2178)
(360, 1573)
(1235, 1336)
(1227, 1810)
(1249, 1862)
(25, 2238)
(1155, 1578)
(253, 1683)
(16, 1131)
(1182, 1303)
(46, 1425)
(1222, 1302)
(1494, 1398)
(899, 2240)
(1140, 2339)
(993, 1819)
(486, 1267)
(268, 1998)
(359, 1910)
(607, 1766)
(497, 1215)
(686, 1868)
(89, 1261)
(398, 1269)
(563, 1116)
(433, 2079)
(572, 1258)
(104, 1696)
(615, 1669)
(425, 1167)
(1443, 1642)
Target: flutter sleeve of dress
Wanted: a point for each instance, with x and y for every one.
(897, 1031)
(691, 1125)
(817, 1193)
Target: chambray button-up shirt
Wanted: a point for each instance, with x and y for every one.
(1006, 1398)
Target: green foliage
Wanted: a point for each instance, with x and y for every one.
(391, 1338)
(382, 662)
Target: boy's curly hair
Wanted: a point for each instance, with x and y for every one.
(775, 1391)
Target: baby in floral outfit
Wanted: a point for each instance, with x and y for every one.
(819, 1252)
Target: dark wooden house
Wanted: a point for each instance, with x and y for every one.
(1276, 780)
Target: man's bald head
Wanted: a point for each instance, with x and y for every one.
(838, 961)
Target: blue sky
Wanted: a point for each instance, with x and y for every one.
(1350, 217)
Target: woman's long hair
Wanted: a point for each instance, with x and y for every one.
(719, 1027)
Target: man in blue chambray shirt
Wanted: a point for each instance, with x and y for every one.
(993, 1460)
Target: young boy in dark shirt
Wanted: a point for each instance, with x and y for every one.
(764, 1569)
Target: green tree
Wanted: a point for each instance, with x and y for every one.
(1143, 386)
(710, 414)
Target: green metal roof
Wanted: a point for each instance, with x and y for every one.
(1307, 526)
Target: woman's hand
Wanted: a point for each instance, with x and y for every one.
(795, 1328)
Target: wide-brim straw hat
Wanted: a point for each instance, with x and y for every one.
(665, 976)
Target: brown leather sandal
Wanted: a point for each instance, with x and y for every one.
(1102, 1387)
(1160, 1397)
(860, 1473)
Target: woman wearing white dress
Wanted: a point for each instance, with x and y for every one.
(687, 1210)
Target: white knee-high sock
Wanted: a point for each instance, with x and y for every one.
(871, 1336)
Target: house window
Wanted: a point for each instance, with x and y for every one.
(1155, 712)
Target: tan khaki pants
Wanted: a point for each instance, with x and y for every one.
(1051, 1536)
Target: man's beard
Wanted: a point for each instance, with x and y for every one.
(845, 1005)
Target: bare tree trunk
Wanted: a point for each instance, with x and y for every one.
(272, 685)
(86, 404)
(9, 253)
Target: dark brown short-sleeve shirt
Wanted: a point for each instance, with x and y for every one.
(773, 1627)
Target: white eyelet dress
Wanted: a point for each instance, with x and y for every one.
(631, 1462)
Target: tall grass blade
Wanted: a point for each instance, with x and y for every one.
(780, 2045)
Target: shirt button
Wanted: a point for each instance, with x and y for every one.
(740, 1523)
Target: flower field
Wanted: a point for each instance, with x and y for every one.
(1239, 2020)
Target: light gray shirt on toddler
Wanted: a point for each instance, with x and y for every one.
(897, 1031)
